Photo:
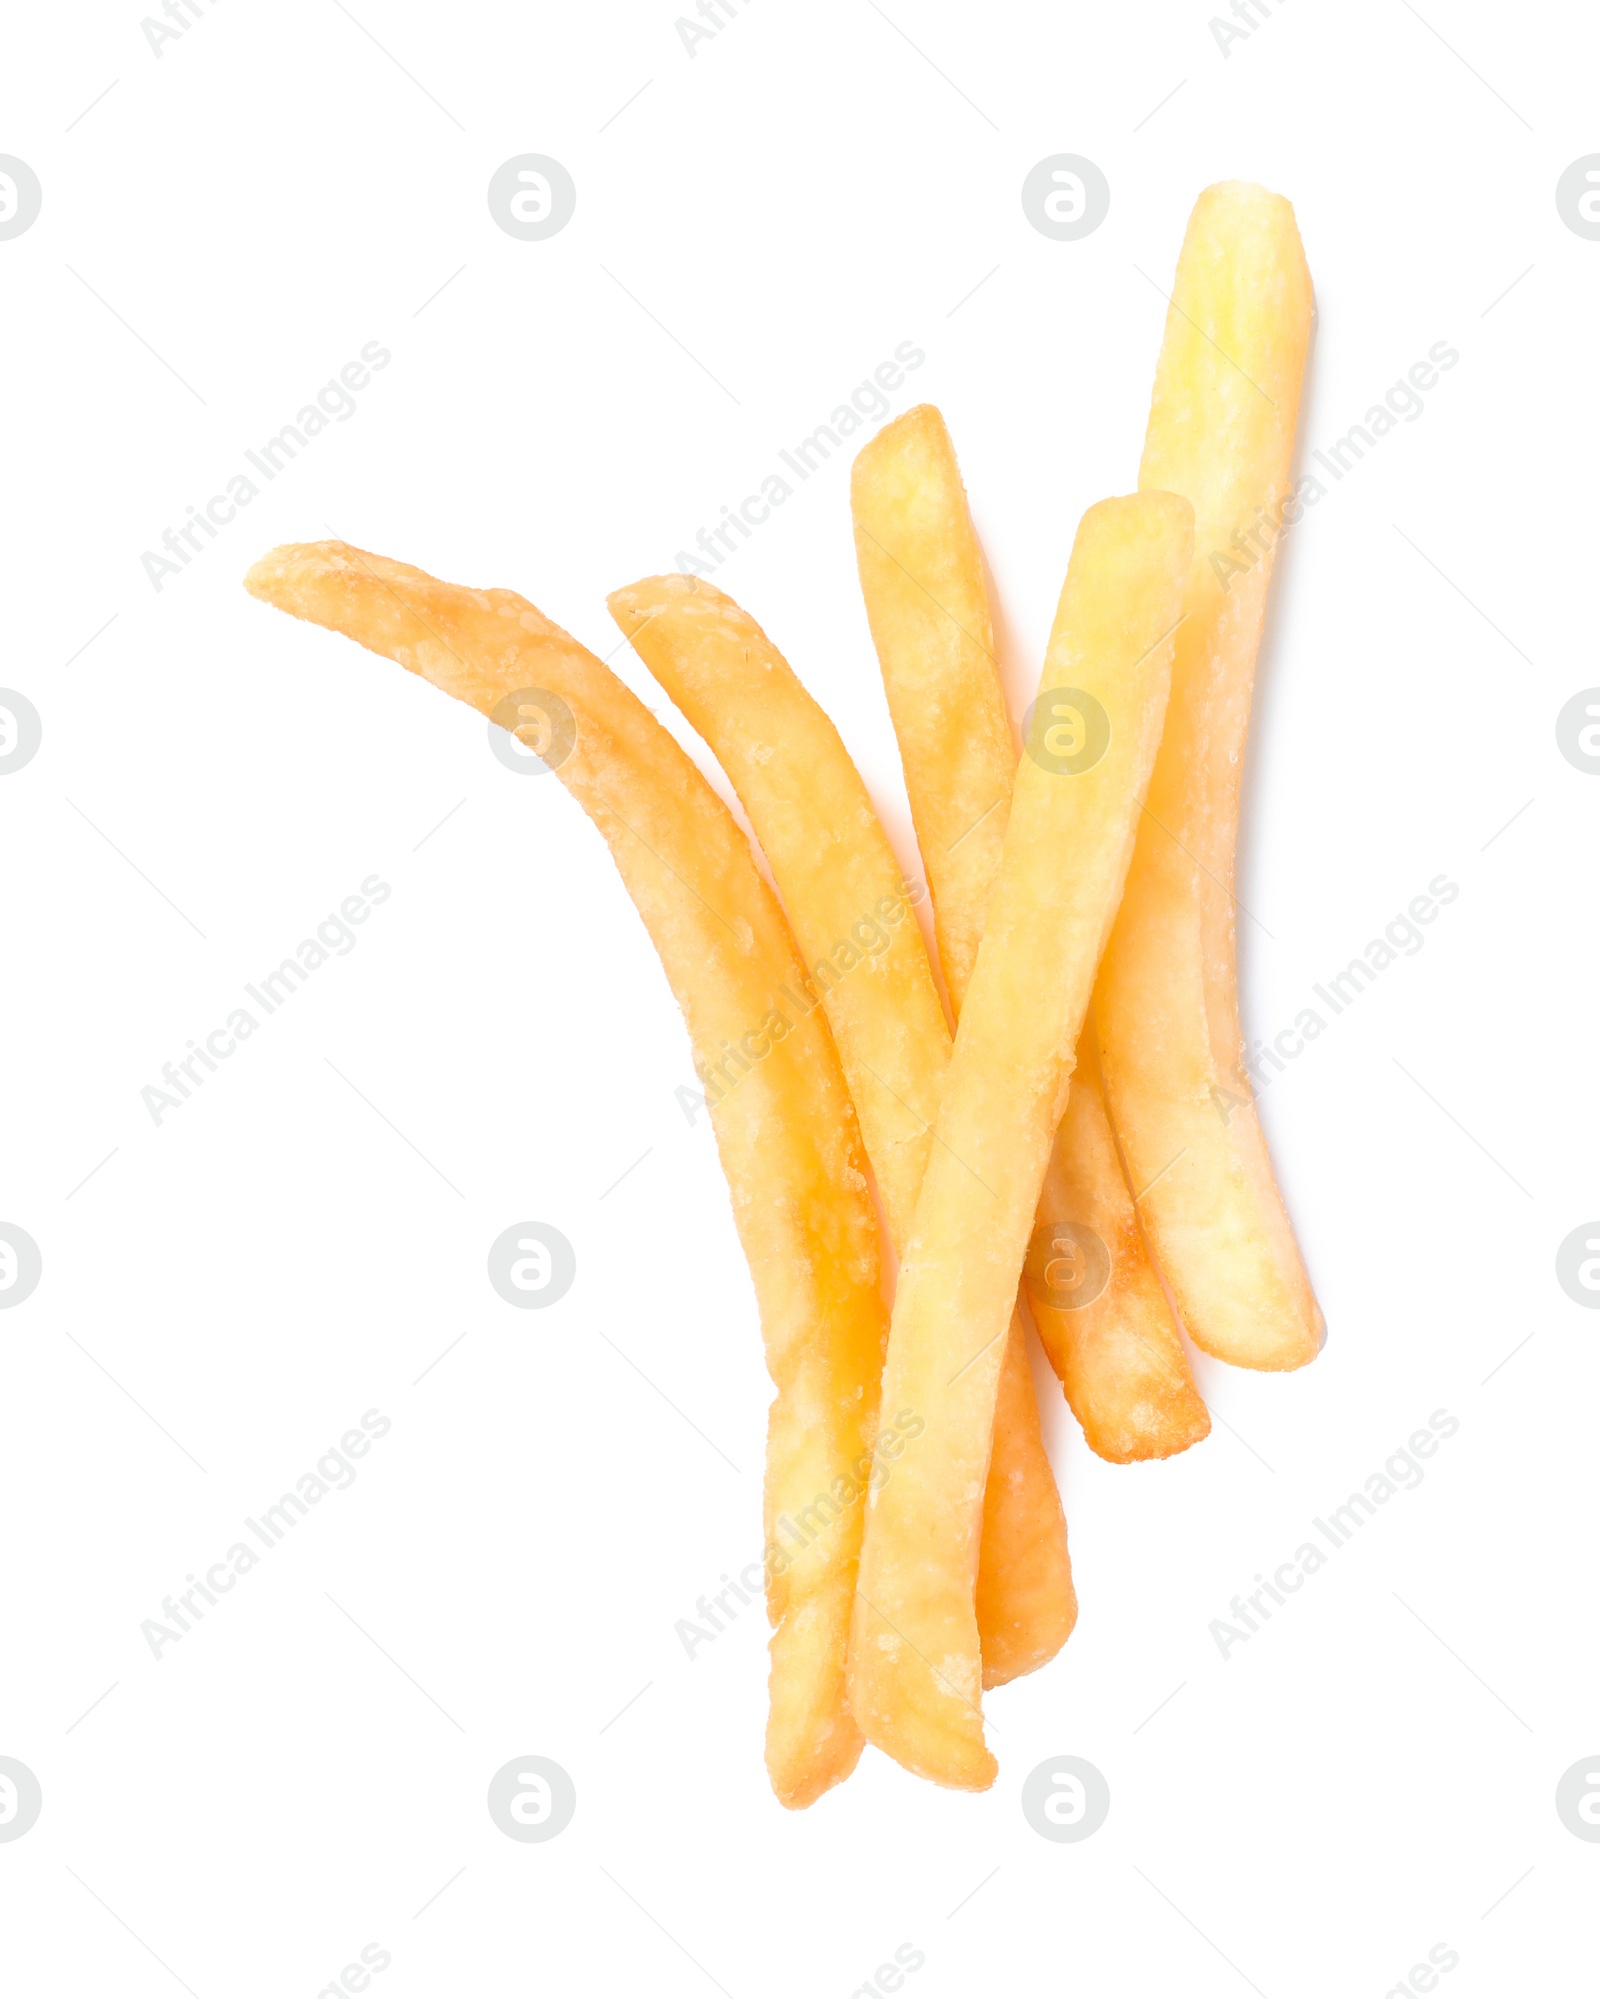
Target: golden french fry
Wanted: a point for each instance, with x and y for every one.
(928, 605)
(1221, 432)
(1024, 1598)
(1097, 1301)
(1120, 1361)
(914, 1660)
(850, 913)
(787, 1134)
(836, 872)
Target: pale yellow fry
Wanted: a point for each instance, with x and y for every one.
(1222, 422)
(914, 1658)
(1120, 1361)
(787, 1135)
(927, 601)
(854, 923)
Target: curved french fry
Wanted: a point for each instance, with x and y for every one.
(787, 1135)
(914, 1658)
(851, 916)
(1221, 432)
(1120, 1361)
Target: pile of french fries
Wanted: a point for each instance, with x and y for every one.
(1085, 940)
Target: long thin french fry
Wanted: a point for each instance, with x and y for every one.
(849, 910)
(1118, 1356)
(914, 1659)
(927, 603)
(787, 1135)
(1222, 422)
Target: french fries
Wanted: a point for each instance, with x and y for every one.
(1110, 1335)
(927, 603)
(1079, 1144)
(835, 870)
(1221, 432)
(787, 1134)
(1118, 1355)
(915, 1670)
(849, 911)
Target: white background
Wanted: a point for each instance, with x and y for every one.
(304, 1773)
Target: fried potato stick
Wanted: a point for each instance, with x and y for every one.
(787, 1134)
(914, 1657)
(1118, 1356)
(848, 907)
(928, 606)
(1108, 1331)
(1221, 432)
